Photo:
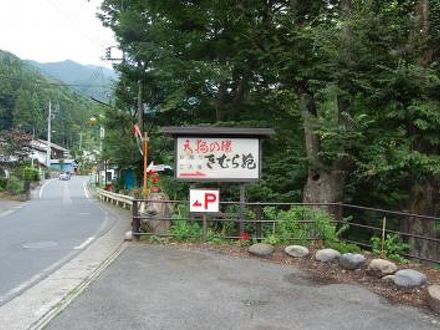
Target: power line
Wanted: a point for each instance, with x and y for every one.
(77, 26)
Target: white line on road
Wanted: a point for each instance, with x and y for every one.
(84, 244)
(66, 195)
(85, 190)
(40, 194)
(36, 278)
(6, 213)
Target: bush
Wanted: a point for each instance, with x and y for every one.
(392, 249)
(289, 227)
(3, 183)
(14, 186)
(30, 174)
(183, 230)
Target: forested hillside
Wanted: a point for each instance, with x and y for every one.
(89, 80)
(351, 87)
(24, 100)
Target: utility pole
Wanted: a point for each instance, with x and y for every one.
(32, 147)
(49, 132)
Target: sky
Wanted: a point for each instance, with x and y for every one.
(54, 30)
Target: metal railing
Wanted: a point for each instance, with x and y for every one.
(364, 222)
(114, 198)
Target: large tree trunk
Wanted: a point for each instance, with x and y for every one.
(424, 199)
(324, 184)
(424, 195)
(324, 187)
(220, 102)
(422, 32)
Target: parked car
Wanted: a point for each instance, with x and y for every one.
(64, 176)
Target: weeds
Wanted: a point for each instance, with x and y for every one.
(392, 249)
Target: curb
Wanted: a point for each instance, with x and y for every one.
(65, 301)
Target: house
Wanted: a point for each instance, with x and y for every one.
(60, 159)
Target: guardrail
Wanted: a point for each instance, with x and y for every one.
(114, 198)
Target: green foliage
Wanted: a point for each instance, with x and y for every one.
(393, 247)
(271, 239)
(360, 78)
(343, 247)
(288, 226)
(14, 186)
(3, 183)
(168, 184)
(216, 238)
(24, 97)
(29, 174)
(183, 230)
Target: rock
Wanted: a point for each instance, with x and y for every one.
(327, 255)
(352, 260)
(409, 278)
(434, 297)
(261, 249)
(381, 267)
(389, 278)
(296, 251)
(128, 236)
(157, 214)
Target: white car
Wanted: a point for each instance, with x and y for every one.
(64, 176)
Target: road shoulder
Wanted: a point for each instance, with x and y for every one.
(35, 307)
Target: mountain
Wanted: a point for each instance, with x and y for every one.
(89, 80)
(25, 94)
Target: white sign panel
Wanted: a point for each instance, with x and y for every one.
(217, 158)
(204, 200)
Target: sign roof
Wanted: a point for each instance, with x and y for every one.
(217, 131)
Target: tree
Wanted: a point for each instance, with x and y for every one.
(350, 86)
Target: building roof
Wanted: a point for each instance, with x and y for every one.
(52, 145)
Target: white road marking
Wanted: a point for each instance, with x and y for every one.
(86, 192)
(84, 244)
(66, 195)
(6, 213)
(34, 279)
(40, 194)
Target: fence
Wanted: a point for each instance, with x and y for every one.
(116, 199)
(367, 221)
(250, 221)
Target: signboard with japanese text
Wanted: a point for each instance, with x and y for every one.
(204, 200)
(217, 159)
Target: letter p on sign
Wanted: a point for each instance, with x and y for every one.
(204, 200)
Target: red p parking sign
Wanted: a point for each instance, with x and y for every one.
(204, 200)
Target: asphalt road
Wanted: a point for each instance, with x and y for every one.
(39, 236)
(157, 287)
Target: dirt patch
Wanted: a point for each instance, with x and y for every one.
(4, 196)
(332, 273)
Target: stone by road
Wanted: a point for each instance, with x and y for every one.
(159, 287)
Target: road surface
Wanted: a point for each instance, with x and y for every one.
(39, 236)
(159, 287)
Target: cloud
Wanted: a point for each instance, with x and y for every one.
(54, 30)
